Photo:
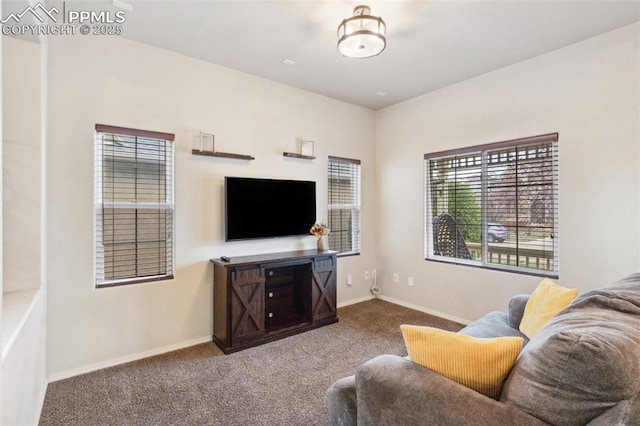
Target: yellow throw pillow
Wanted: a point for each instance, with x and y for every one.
(544, 303)
(479, 364)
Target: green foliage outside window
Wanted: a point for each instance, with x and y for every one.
(464, 205)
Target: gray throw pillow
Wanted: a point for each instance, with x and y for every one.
(584, 361)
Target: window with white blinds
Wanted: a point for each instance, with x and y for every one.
(495, 205)
(134, 205)
(344, 205)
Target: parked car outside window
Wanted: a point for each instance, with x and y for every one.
(497, 232)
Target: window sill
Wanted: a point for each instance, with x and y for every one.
(16, 308)
(513, 270)
(119, 283)
(351, 253)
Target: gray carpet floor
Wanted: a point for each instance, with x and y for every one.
(279, 383)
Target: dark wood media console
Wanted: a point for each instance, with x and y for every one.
(257, 299)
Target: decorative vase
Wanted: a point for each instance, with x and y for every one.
(320, 244)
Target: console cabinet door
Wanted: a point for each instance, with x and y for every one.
(323, 288)
(247, 304)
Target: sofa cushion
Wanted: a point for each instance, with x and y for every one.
(545, 302)
(477, 363)
(494, 324)
(584, 361)
(516, 308)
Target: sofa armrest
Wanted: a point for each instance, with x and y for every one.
(392, 390)
(516, 309)
(623, 413)
(341, 402)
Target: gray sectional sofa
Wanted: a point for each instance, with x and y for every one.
(582, 368)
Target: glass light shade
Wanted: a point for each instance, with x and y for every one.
(362, 35)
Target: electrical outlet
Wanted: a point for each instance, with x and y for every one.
(374, 274)
(366, 275)
(410, 281)
(349, 279)
(396, 278)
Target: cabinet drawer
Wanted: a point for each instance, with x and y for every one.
(279, 276)
(279, 299)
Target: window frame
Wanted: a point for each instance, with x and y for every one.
(100, 205)
(484, 150)
(355, 208)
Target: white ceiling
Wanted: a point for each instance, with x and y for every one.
(430, 44)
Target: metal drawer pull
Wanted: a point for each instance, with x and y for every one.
(270, 314)
(270, 294)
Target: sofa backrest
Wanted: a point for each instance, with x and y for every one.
(584, 361)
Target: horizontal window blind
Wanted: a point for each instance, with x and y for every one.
(134, 205)
(521, 195)
(455, 188)
(495, 205)
(344, 205)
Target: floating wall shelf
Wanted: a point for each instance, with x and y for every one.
(204, 149)
(222, 154)
(306, 151)
(294, 155)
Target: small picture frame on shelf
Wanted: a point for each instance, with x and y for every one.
(206, 142)
(306, 148)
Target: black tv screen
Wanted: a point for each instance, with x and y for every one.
(266, 208)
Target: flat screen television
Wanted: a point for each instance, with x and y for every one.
(267, 208)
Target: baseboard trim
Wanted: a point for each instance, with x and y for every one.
(128, 358)
(354, 301)
(425, 310)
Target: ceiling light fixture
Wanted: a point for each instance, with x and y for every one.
(362, 35)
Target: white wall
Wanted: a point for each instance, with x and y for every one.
(22, 147)
(589, 93)
(114, 81)
(23, 324)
